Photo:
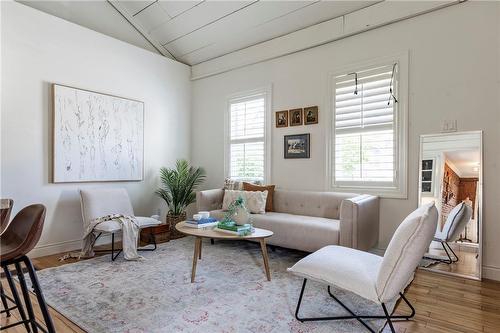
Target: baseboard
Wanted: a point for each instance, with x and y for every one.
(66, 246)
(492, 273)
(53, 248)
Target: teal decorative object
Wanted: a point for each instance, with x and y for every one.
(237, 212)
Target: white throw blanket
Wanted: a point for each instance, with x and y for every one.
(130, 233)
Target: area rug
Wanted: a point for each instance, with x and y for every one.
(231, 293)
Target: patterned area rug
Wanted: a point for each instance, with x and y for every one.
(230, 294)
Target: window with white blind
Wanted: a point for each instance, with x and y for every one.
(246, 138)
(368, 153)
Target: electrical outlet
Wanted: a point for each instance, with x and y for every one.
(449, 125)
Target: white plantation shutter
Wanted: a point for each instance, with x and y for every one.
(364, 124)
(247, 138)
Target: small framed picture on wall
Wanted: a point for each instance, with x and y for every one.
(311, 115)
(295, 117)
(297, 146)
(282, 119)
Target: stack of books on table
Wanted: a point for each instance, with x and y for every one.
(234, 229)
(203, 223)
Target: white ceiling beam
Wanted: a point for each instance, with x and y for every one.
(368, 18)
(120, 8)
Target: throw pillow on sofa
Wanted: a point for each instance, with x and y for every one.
(231, 184)
(268, 188)
(255, 201)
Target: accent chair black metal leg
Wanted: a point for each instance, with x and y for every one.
(388, 318)
(26, 296)
(358, 317)
(450, 248)
(39, 295)
(16, 298)
(113, 257)
(349, 310)
(4, 301)
(300, 301)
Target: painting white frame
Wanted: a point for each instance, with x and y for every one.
(96, 137)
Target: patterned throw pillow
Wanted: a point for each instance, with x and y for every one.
(268, 188)
(231, 184)
(255, 201)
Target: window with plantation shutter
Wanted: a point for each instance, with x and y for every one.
(366, 132)
(247, 138)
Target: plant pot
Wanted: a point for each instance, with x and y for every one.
(172, 220)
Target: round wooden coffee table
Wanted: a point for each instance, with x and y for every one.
(259, 234)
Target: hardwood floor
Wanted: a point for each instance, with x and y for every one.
(442, 303)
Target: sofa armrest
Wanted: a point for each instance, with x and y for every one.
(359, 222)
(209, 199)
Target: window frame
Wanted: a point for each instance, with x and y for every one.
(400, 188)
(241, 96)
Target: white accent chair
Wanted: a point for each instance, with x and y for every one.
(98, 202)
(455, 224)
(379, 279)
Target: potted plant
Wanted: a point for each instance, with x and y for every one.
(178, 190)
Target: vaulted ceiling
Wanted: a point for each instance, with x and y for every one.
(196, 31)
(217, 36)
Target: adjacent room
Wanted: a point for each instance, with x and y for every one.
(249, 166)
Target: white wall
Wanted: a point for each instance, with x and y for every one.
(39, 49)
(454, 60)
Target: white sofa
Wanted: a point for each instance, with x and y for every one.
(308, 221)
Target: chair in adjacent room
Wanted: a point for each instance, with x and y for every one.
(20, 237)
(455, 224)
(379, 279)
(98, 202)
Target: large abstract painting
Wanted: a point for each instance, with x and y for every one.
(97, 137)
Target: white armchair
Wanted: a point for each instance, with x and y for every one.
(455, 224)
(379, 279)
(98, 202)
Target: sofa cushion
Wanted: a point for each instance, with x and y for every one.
(318, 204)
(349, 269)
(305, 233)
(255, 201)
(299, 230)
(262, 188)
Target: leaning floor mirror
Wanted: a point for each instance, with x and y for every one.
(450, 174)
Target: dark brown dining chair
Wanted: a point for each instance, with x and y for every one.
(5, 209)
(20, 237)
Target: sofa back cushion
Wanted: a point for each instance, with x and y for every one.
(318, 204)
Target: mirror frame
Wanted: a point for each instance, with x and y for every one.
(480, 202)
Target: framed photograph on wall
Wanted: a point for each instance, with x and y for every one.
(297, 146)
(282, 119)
(311, 115)
(295, 116)
(96, 137)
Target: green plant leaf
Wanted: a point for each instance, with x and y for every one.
(178, 186)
